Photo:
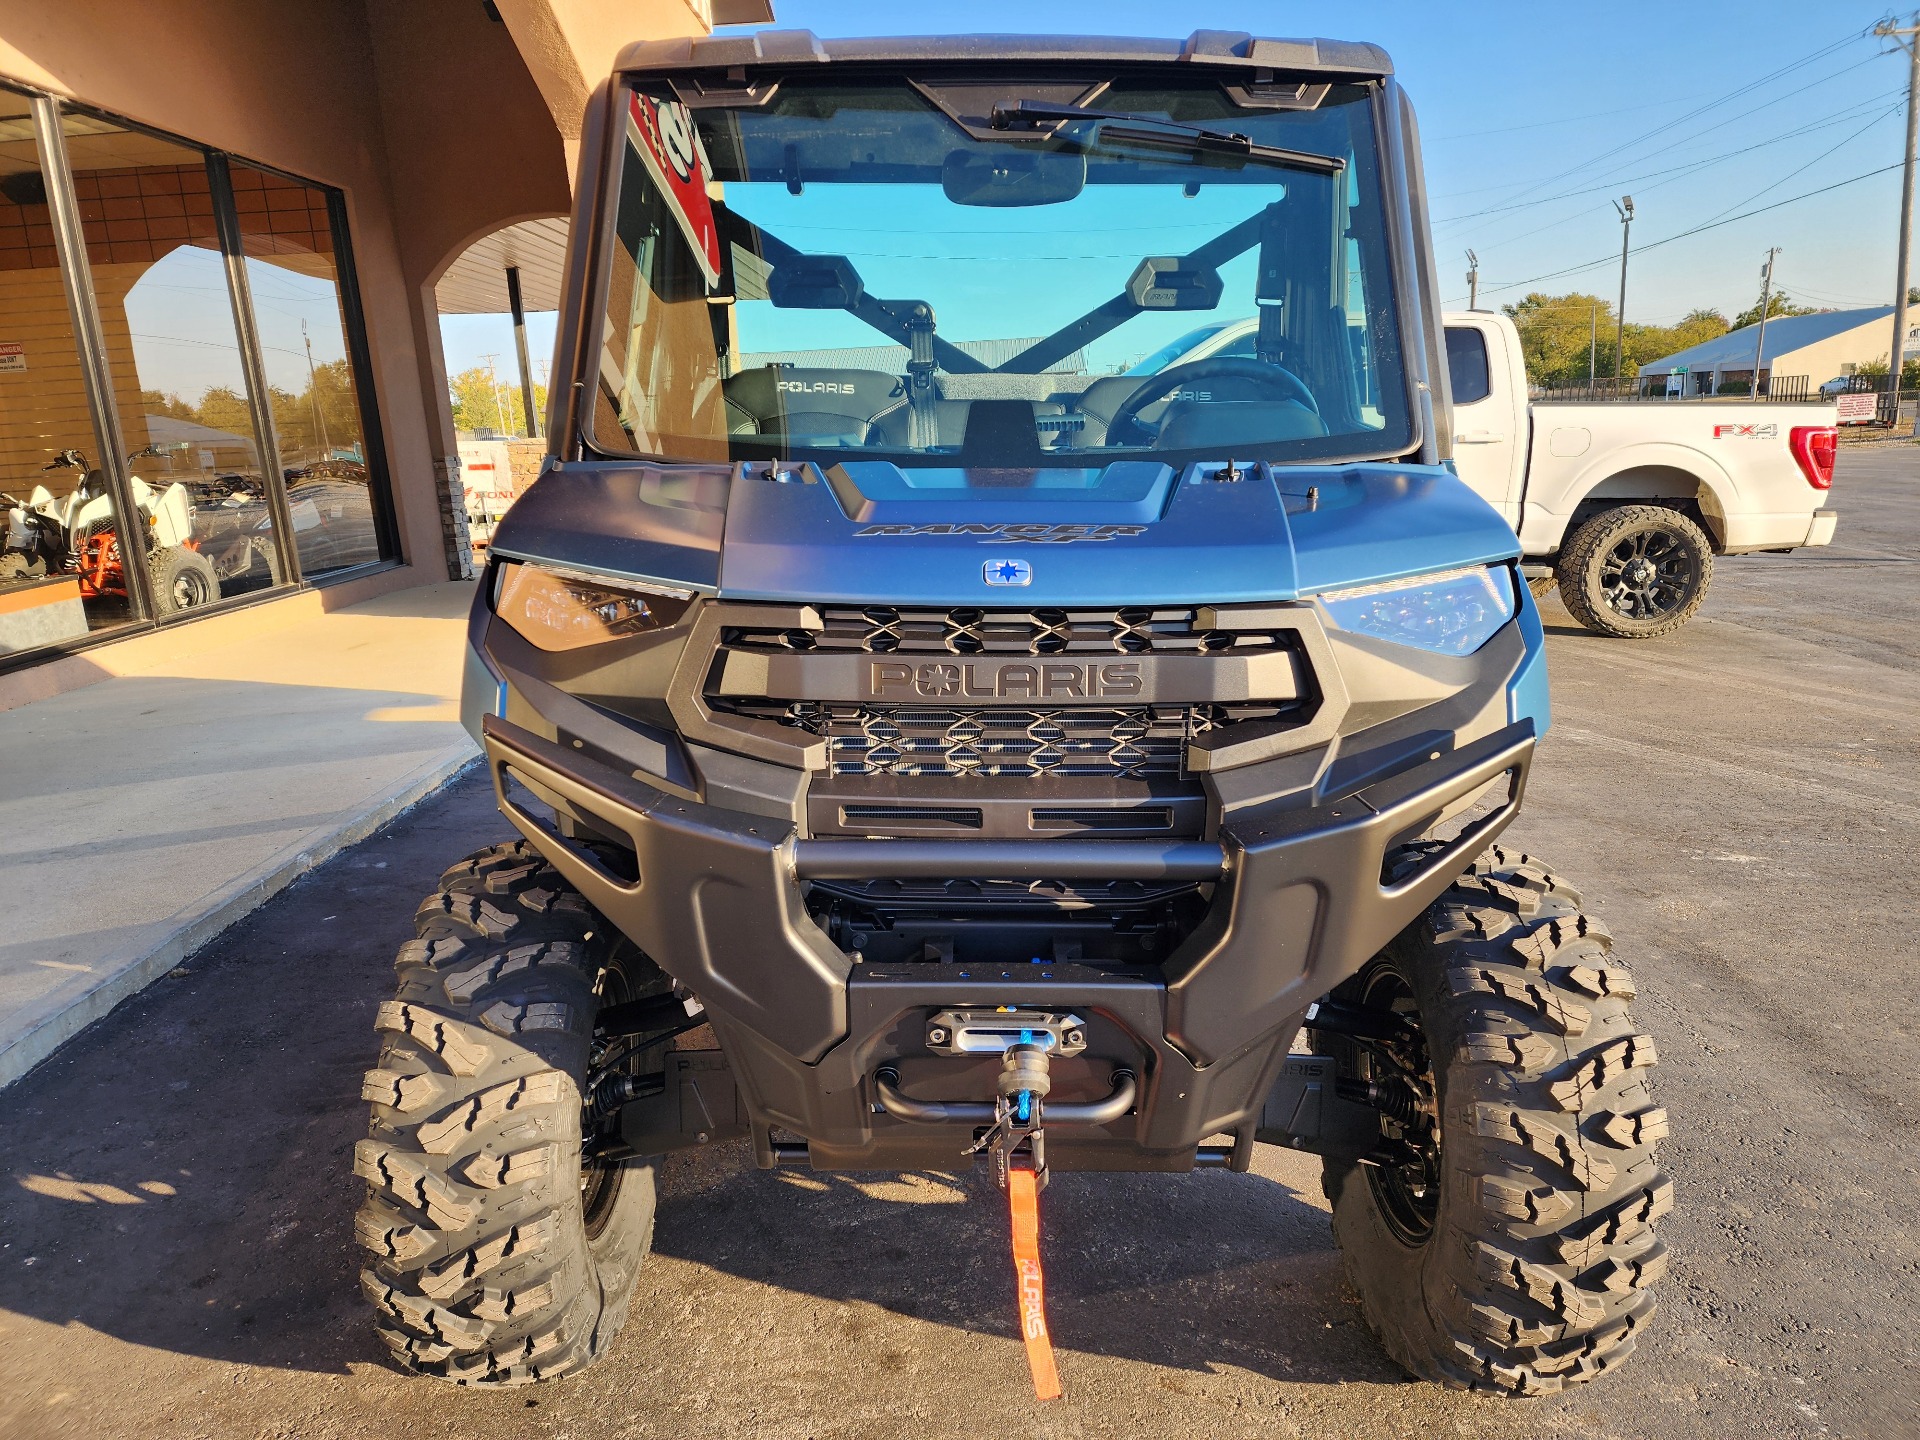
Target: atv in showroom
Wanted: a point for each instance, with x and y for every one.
(1013, 760)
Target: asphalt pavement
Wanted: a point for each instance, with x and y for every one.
(1741, 802)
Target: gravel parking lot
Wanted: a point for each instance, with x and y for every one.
(1742, 804)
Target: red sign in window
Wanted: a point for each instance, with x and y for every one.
(663, 133)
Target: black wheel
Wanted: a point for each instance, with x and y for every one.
(1503, 1239)
(1542, 585)
(183, 579)
(1635, 572)
(502, 1256)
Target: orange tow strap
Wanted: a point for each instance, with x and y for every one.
(1023, 1197)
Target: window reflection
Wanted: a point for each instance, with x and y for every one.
(146, 206)
(286, 234)
(58, 526)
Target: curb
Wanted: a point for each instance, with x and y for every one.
(38, 1036)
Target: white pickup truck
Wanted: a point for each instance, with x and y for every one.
(1624, 504)
(1629, 502)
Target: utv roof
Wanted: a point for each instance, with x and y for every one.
(1227, 49)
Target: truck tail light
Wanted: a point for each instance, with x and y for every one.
(1814, 448)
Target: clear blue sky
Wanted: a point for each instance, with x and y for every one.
(1521, 103)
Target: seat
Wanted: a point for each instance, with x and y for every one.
(808, 406)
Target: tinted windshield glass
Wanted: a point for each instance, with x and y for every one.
(886, 269)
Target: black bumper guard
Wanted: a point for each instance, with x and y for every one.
(1302, 901)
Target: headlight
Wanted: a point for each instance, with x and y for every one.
(1452, 613)
(558, 610)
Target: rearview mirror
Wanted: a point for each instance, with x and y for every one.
(815, 282)
(1013, 177)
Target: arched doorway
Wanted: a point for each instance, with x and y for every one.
(515, 271)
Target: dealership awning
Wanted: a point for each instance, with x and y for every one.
(476, 283)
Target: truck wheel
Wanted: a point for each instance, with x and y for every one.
(501, 1257)
(1635, 572)
(183, 579)
(1506, 1244)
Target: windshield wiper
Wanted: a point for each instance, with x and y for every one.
(1167, 134)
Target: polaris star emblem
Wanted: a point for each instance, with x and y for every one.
(1008, 572)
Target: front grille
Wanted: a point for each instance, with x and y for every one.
(1143, 742)
(887, 630)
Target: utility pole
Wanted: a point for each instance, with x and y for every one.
(1625, 206)
(499, 401)
(1593, 347)
(1473, 281)
(313, 396)
(1760, 344)
(1904, 37)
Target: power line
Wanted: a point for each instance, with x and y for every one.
(1838, 117)
(1582, 214)
(1698, 229)
(1810, 164)
(1660, 131)
(1544, 124)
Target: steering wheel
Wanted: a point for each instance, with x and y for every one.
(1125, 427)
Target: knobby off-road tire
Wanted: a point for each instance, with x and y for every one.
(1534, 1272)
(1635, 572)
(498, 1260)
(183, 579)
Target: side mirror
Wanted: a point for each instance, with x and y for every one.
(1006, 177)
(1168, 282)
(815, 282)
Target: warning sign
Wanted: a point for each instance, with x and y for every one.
(13, 355)
(1858, 409)
(662, 131)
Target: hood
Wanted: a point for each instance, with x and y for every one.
(1130, 533)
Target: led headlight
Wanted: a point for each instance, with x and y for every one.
(1452, 613)
(563, 610)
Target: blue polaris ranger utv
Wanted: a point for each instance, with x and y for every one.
(1014, 747)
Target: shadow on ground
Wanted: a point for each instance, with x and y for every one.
(179, 1177)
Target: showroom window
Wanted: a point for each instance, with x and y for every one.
(57, 511)
(181, 362)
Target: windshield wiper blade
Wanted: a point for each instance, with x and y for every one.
(1167, 134)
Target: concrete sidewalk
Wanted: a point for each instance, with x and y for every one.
(141, 815)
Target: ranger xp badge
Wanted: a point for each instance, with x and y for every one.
(1008, 572)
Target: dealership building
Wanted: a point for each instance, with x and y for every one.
(222, 226)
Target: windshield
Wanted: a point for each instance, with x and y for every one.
(954, 274)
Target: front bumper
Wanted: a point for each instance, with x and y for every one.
(1302, 897)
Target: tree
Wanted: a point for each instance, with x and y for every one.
(1554, 335)
(224, 408)
(1697, 326)
(159, 402)
(1556, 332)
(1778, 304)
(484, 400)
